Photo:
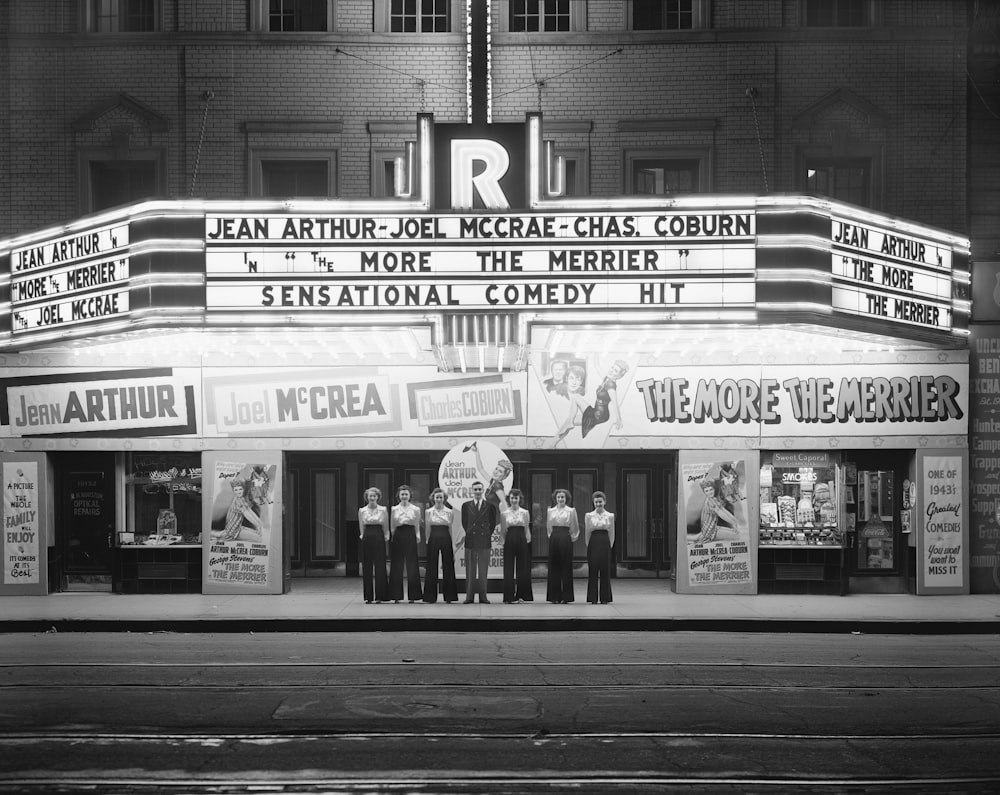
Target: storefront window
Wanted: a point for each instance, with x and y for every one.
(800, 501)
(164, 500)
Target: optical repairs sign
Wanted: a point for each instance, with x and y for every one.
(70, 280)
(883, 274)
(610, 261)
(21, 553)
(153, 402)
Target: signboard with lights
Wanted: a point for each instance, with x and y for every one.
(69, 280)
(677, 259)
(884, 274)
(479, 262)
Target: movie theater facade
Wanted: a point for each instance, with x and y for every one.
(773, 391)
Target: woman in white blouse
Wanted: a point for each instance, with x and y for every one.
(515, 529)
(563, 529)
(404, 530)
(599, 533)
(437, 528)
(373, 519)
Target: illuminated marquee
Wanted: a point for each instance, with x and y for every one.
(879, 273)
(69, 280)
(602, 261)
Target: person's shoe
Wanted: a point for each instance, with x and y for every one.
(484, 601)
(467, 602)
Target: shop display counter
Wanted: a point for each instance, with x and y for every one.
(800, 540)
(158, 569)
(160, 550)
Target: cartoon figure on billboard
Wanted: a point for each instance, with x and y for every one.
(495, 490)
(590, 411)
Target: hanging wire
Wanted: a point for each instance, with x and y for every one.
(544, 80)
(208, 96)
(752, 93)
(399, 72)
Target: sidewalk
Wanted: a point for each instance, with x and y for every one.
(336, 605)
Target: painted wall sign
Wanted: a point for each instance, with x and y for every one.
(100, 403)
(984, 474)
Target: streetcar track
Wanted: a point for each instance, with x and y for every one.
(292, 735)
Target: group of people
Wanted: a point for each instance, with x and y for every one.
(403, 526)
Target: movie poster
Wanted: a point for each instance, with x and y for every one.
(717, 522)
(242, 533)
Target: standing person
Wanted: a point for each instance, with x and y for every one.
(437, 527)
(479, 518)
(373, 519)
(515, 526)
(563, 529)
(599, 533)
(404, 529)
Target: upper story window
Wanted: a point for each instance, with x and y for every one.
(848, 179)
(838, 13)
(281, 173)
(540, 15)
(300, 16)
(122, 16)
(667, 172)
(419, 16)
(667, 14)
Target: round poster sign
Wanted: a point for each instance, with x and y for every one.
(463, 465)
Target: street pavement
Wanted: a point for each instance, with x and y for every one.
(335, 604)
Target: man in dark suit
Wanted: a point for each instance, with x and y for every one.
(479, 518)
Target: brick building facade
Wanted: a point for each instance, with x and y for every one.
(801, 128)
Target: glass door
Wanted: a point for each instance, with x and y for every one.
(85, 530)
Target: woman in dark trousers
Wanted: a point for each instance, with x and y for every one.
(373, 519)
(599, 533)
(437, 527)
(515, 527)
(563, 529)
(404, 529)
